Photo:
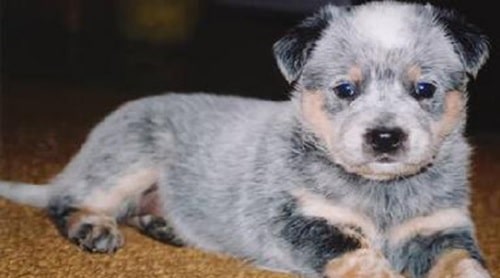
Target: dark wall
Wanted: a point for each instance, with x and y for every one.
(229, 52)
(485, 112)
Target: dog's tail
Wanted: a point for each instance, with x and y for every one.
(27, 194)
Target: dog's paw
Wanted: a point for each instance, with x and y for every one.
(97, 234)
(362, 263)
(458, 264)
(156, 227)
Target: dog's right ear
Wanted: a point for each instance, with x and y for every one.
(293, 50)
(469, 42)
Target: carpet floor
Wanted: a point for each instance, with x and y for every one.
(40, 131)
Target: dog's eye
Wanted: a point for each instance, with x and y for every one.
(424, 90)
(345, 90)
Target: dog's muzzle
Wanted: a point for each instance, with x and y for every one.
(385, 141)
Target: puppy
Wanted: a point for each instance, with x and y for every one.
(363, 173)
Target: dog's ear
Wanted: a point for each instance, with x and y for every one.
(293, 50)
(469, 42)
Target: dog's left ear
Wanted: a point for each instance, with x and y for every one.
(293, 50)
(469, 42)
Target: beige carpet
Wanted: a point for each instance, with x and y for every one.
(42, 125)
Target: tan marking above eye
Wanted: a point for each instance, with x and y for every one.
(414, 73)
(355, 74)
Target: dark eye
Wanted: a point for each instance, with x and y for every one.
(424, 90)
(345, 90)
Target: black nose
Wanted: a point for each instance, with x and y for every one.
(385, 140)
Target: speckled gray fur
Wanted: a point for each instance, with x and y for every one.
(228, 165)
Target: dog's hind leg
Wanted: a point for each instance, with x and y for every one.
(148, 219)
(91, 221)
(105, 182)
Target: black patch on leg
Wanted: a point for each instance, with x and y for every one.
(60, 212)
(159, 229)
(314, 238)
(422, 252)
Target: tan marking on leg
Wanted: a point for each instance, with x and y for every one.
(131, 186)
(457, 264)
(149, 202)
(470, 268)
(454, 111)
(362, 263)
(76, 217)
(429, 225)
(315, 206)
(314, 114)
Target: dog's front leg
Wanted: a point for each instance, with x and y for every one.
(439, 245)
(333, 241)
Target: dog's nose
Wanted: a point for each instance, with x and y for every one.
(385, 140)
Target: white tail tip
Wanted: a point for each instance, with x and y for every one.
(23, 193)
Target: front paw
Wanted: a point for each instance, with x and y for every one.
(458, 264)
(362, 263)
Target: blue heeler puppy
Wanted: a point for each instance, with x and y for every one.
(363, 173)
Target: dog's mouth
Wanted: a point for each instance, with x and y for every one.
(386, 168)
(386, 159)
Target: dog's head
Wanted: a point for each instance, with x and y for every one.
(382, 85)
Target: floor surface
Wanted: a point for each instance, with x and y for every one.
(43, 125)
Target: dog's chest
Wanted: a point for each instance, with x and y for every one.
(375, 210)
